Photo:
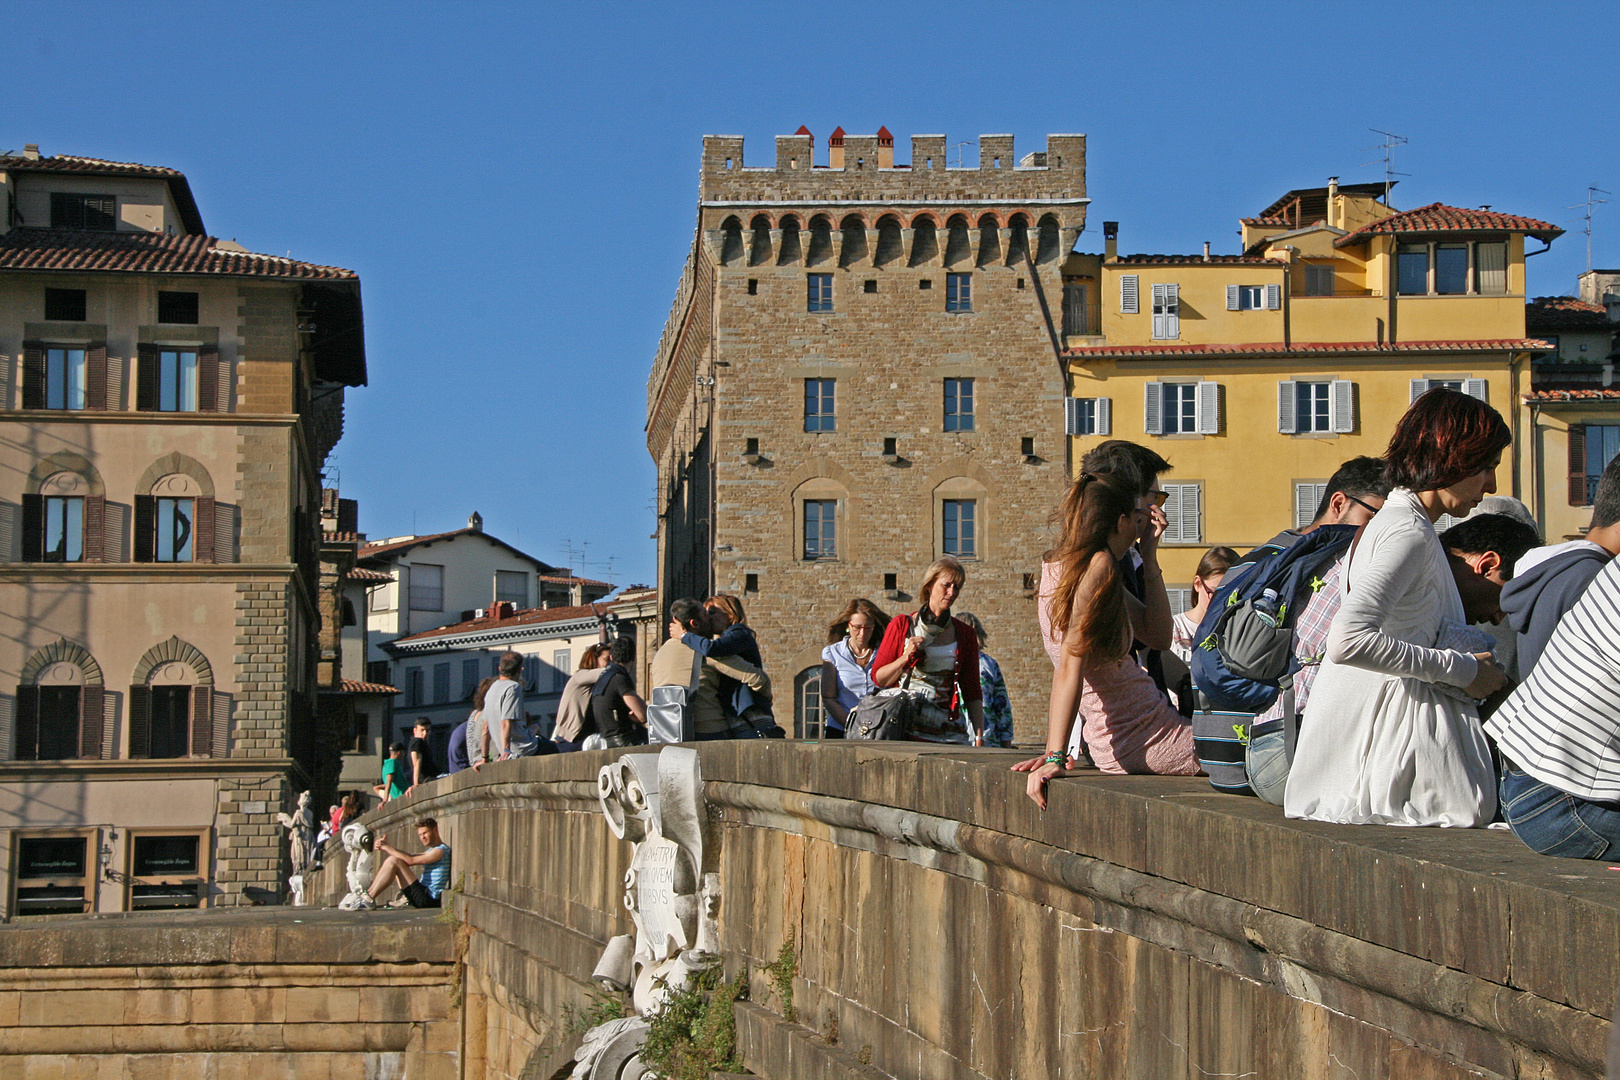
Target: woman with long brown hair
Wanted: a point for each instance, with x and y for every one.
(1089, 622)
(1392, 733)
(846, 662)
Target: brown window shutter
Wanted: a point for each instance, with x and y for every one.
(33, 528)
(202, 530)
(27, 723)
(146, 379)
(95, 376)
(33, 383)
(202, 721)
(1577, 466)
(140, 721)
(95, 528)
(208, 375)
(90, 721)
(145, 543)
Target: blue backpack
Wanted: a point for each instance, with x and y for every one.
(1244, 650)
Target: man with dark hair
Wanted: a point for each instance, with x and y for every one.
(423, 767)
(675, 663)
(398, 869)
(620, 714)
(1354, 494)
(1549, 581)
(1482, 550)
(504, 721)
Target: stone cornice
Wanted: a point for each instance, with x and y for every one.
(145, 416)
(146, 573)
(15, 772)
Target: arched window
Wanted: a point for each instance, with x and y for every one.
(924, 241)
(808, 717)
(957, 244)
(1049, 240)
(890, 246)
(176, 517)
(171, 704)
(731, 241)
(64, 512)
(791, 251)
(820, 240)
(759, 249)
(60, 705)
(989, 241)
(1018, 241)
(854, 246)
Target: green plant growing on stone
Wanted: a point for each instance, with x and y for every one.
(695, 1033)
(781, 972)
(604, 1005)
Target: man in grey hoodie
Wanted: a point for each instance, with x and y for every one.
(1549, 581)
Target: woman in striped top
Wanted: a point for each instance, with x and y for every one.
(1560, 734)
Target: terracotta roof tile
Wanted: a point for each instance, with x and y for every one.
(1313, 348)
(531, 617)
(135, 252)
(1552, 313)
(1178, 260)
(372, 551)
(1438, 217)
(569, 579)
(1611, 394)
(361, 573)
(355, 686)
(72, 164)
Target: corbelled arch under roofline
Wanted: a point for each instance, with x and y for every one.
(173, 651)
(169, 465)
(61, 651)
(63, 461)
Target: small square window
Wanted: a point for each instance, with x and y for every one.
(891, 582)
(869, 286)
(753, 286)
(751, 583)
(177, 307)
(1020, 283)
(925, 284)
(1251, 297)
(64, 305)
(820, 293)
(958, 292)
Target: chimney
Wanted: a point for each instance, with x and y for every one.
(835, 149)
(1206, 251)
(475, 522)
(885, 148)
(1333, 215)
(31, 151)
(1110, 241)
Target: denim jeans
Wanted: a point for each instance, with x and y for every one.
(1266, 762)
(1554, 822)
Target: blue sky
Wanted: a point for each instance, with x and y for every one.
(516, 183)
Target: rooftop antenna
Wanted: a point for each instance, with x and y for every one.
(958, 148)
(1391, 141)
(1592, 200)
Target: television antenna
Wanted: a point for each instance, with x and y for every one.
(1391, 141)
(958, 148)
(1592, 200)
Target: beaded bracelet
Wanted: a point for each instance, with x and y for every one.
(1056, 757)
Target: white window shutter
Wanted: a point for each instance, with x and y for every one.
(1231, 298)
(1071, 416)
(1273, 297)
(10, 515)
(1104, 416)
(1172, 312)
(1305, 500)
(1153, 416)
(1172, 513)
(1475, 388)
(1190, 526)
(1344, 406)
(1419, 388)
(1285, 406)
(1209, 408)
(1129, 303)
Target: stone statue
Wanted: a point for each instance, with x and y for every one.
(671, 890)
(357, 841)
(300, 826)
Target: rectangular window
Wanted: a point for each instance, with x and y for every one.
(87, 213)
(531, 674)
(1081, 416)
(560, 660)
(51, 718)
(1313, 406)
(64, 305)
(1074, 310)
(1183, 506)
(177, 307)
(820, 529)
(165, 872)
(64, 378)
(377, 672)
(64, 529)
(1451, 269)
(820, 405)
(53, 875)
(469, 678)
(171, 722)
(1490, 268)
(441, 683)
(958, 404)
(1602, 444)
(1180, 409)
(820, 296)
(177, 380)
(174, 517)
(961, 530)
(427, 587)
(1412, 269)
(1251, 297)
(958, 292)
(512, 587)
(413, 686)
(1318, 280)
(1166, 312)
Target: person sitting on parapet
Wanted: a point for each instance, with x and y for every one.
(1549, 581)
(399, 869)
(674, 664)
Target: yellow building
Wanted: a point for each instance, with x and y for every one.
(1257, 374)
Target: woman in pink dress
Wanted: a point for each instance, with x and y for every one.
(1088, 621)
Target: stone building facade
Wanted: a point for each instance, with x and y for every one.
(860, 373)
(169, 399)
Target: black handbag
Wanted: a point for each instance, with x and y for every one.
(882, 715)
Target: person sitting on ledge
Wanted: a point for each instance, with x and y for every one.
(398, 869)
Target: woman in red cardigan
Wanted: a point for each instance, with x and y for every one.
(941, 654)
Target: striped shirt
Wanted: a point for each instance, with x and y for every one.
(1562, 725)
